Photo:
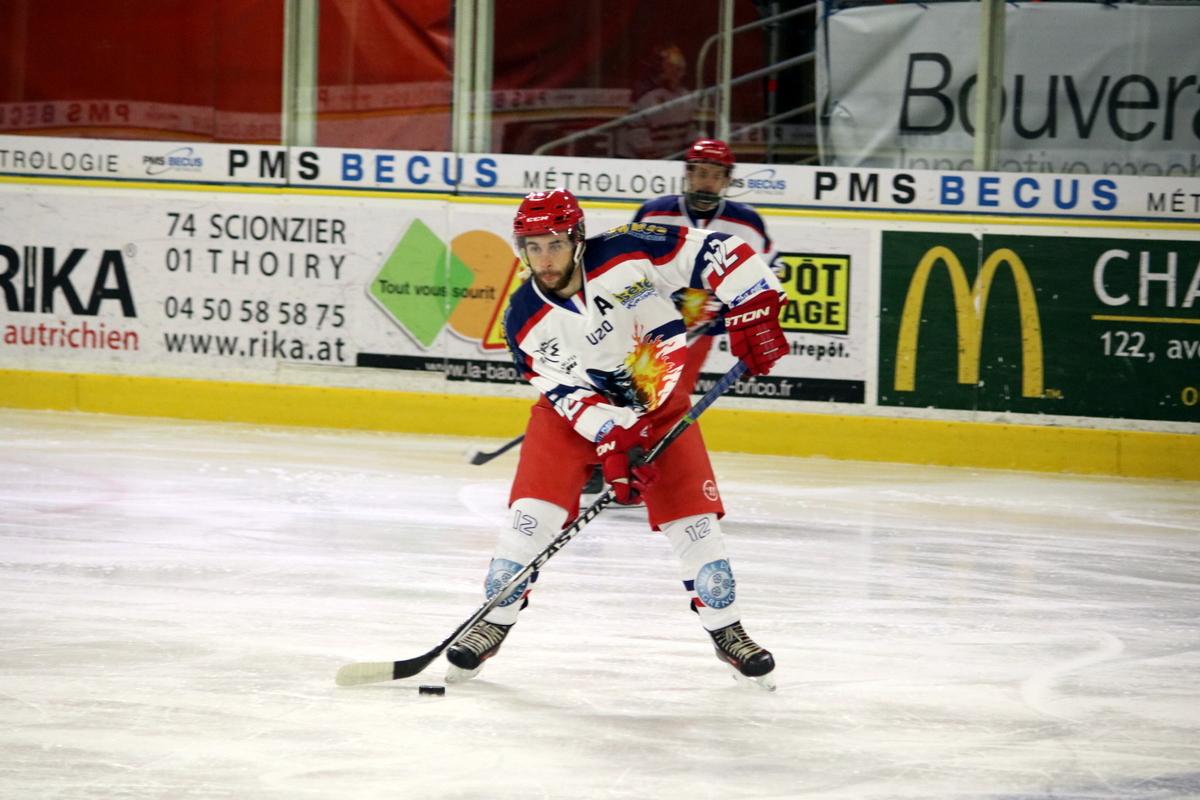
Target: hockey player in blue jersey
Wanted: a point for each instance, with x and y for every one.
(596, 331)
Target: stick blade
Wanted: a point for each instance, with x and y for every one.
(364, 672)
(477, 457)
(413, 666)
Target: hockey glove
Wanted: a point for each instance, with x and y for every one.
(620, 450)
(754, 333)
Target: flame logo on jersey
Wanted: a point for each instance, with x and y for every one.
(653, 367)
(646, 375)
(698, 307)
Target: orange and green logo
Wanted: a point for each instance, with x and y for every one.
(427, 286)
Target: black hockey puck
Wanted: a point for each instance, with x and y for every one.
(436, 690)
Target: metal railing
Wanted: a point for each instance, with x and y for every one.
(720, 90)
(690, 97)
(762, 123)
(702, 57)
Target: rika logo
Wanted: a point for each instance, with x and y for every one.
(970, 304)
(183, 159)
(32, 279)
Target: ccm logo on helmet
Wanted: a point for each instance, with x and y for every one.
(747, 317)
(537, 219)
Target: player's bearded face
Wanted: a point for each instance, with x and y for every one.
(551, 258)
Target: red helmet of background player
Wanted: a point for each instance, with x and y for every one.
(711, 151)
(554, 212)
(706, 151)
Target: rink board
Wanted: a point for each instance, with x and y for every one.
(924, 441)
(365, 289)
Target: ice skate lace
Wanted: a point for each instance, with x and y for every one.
(736, 642)
(484, 637)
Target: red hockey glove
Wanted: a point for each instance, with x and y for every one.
(754, 333)
(620, 450)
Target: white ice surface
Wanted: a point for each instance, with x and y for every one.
(175, 599)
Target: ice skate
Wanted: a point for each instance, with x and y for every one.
(466, 656)
(749, 661)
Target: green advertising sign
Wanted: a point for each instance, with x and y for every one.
(419, 285)
(1091, 327)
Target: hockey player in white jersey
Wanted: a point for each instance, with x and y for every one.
(595, 330)
(708, 171)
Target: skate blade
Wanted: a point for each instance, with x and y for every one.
(765, 683)
(459, 675)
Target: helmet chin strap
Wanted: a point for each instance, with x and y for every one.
(701, 202)
(580, 239)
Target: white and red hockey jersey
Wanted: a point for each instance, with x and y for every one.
(701, 312)
(615, 349)
(729, 216)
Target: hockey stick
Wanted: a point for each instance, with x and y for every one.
(478, 457)
(376, 671)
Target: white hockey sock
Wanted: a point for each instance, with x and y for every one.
(532, 524)
(699, 546)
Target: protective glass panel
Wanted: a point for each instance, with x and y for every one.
(617, 59)
(142, 69)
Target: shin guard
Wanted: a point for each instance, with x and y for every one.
(699, 546)
(532, 526)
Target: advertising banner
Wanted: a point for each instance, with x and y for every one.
(1100, 88)
(1093, 327)
(184, 284)
(375, 172)
(825, 317)
(347, 291)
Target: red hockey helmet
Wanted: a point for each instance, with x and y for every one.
(705, 197)
(548, 212)
(712, 151)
